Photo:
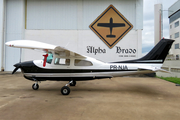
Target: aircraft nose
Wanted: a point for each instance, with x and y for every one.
(17, 65)
(25, 66)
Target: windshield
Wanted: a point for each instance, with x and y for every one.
(49, 58)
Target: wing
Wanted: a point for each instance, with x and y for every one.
(152, 68)
(30, 44)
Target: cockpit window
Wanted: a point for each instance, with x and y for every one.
(82, 63)
(49, 58)
(62, 61)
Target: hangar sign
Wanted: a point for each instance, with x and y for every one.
(111, 26)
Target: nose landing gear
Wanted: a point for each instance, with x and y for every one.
(35, 86)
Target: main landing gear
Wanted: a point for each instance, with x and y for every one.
(66, 90)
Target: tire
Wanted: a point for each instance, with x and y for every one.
(35, 86)
(73, 83)
(65, 90)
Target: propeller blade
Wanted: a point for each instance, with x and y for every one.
(18, 65)
(15, 69)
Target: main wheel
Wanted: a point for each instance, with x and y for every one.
(65, 90)
(35, 86)
(73, 83)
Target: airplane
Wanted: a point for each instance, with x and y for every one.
(111, 25)
(61, 64)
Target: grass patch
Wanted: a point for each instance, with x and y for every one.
(171, 79)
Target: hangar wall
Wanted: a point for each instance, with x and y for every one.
(66, 23)
(77, 14)
(2, 3)
(14, 30)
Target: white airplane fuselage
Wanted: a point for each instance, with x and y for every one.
(97, 70)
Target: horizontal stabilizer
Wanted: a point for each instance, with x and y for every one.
(152, 68)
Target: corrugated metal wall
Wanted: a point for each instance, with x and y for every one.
(74, 14)
(51, 14)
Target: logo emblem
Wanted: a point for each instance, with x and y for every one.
(111, 26)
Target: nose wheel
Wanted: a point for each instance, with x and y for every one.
(35, 86)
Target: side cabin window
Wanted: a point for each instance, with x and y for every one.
(62, 61)
(49, 58)
(82, 63)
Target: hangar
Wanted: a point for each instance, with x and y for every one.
(69, 23)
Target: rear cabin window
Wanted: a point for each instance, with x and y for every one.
(82, 63)
(62, 61)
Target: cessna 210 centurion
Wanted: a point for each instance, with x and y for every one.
(61, 64)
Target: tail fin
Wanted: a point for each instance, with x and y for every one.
(156, 55)
(160, 51)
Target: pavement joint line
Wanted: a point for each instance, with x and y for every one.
(12, 101)
(9, 102)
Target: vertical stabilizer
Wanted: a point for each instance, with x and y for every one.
(156, 55)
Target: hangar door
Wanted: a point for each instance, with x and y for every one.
(72, 14)
(14, 30)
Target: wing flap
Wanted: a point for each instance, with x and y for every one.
(65, 52)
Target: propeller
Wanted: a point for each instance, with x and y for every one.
(18, 65)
